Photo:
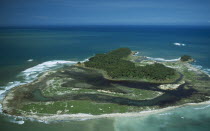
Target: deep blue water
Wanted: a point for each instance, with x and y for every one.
(18, 45)
(46, 44)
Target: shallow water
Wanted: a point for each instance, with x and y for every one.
(187, 118)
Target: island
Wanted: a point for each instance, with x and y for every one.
(117, 82)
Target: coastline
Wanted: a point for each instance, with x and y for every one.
(58, 117)
(77, 44)
(81, 116)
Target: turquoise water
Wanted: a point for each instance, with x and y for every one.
(188, 118)
(52, 48)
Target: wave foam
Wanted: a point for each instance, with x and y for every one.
(165, 114)
(205, 70)
(179, 44)
(31, 74)
(201, 108)
(85, 60)
(0, 108)
(30, 60)
(18, 122)
(162, 59)
(9, 86)
(136, 54)
(17, 119)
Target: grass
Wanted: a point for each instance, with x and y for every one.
(54, 88)
(75, 107)
(135, 94)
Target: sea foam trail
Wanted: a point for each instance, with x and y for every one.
(162, 59)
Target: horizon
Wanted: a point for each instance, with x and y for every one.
(89, 26)
(99, 12)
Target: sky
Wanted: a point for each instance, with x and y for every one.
(104, 12)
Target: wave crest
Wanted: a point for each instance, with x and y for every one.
(201, 108)
(179, 44)
(162, 59)
(31, 74)
(205, 70)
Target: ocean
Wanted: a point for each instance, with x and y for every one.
(25, 53)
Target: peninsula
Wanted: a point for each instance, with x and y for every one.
(115, 82)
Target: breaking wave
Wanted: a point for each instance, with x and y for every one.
(201, 108)
(179, 44)
(205, 70)
(30, 60)
(165, 114)
(162, 59)
(30, 75)
(136, 54)
(17, 122)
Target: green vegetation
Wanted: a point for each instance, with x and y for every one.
(186, 58)
(78, 89)
(76, 106)
(117, 67)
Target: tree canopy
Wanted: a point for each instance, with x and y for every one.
(116, 67)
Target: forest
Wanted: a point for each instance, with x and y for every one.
(116, 67)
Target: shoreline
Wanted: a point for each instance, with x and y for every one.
(82, 116)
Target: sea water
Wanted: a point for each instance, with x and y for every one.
(26, 53)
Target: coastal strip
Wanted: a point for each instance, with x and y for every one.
(81, 116)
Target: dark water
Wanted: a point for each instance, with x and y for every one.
(99, 82)
(78, 43)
